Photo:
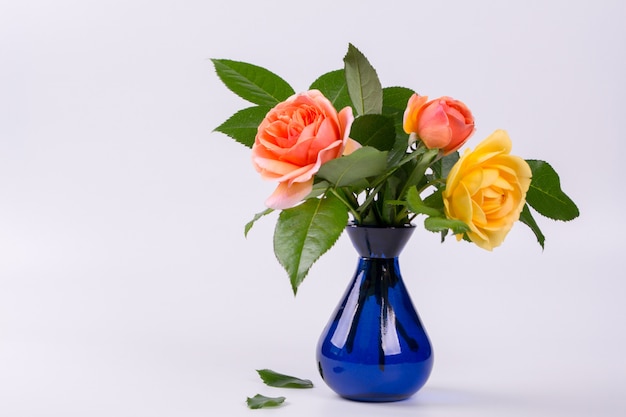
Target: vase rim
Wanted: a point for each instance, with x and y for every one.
(379, 241)
(376, 226)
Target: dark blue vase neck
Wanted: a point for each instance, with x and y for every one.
(379, 242)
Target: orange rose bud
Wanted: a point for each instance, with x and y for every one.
(443, 123)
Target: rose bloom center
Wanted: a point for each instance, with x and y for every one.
(493, 201)
(289, 126)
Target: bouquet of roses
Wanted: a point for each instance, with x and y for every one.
(350, 150)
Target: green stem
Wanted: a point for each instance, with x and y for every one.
(437, 183)
(380, 182)
(342, 197)
(353, 200)
(401, 214)
(370, 198)
(425, 161)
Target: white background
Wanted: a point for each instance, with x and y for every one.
(127, 287)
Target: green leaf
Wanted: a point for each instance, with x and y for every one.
(256, 217)
(319, 187)
(252, 83)
(417, 206)
(243, 125)
(395, 100)
(398, 151)
(545, 194)
(423, 162)
(526, 217)
(364, 86)
(440, 224)
(374, 130)
(442, 168)
(305, 232)
(261, 401)
(352, 169)
(435, 200)
(333, 86)
(274, 379)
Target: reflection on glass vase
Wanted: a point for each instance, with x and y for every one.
(374, 348)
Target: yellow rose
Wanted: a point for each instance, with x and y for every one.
(486, 189)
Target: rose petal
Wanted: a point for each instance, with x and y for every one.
(351, 146)
(286, 196)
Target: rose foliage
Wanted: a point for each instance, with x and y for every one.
(349, 150)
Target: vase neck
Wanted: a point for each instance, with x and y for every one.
(379, 242)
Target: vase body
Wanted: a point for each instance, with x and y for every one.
(374, 348)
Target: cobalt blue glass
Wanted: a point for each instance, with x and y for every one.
(375, 348)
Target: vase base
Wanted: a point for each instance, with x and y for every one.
(370, 383)
(381, 398)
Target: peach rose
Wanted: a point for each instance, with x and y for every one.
(295, 139)
(443, 123)
(486, 189)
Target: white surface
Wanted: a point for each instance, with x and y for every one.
(128, 289)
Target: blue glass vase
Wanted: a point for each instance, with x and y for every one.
(375, 348)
